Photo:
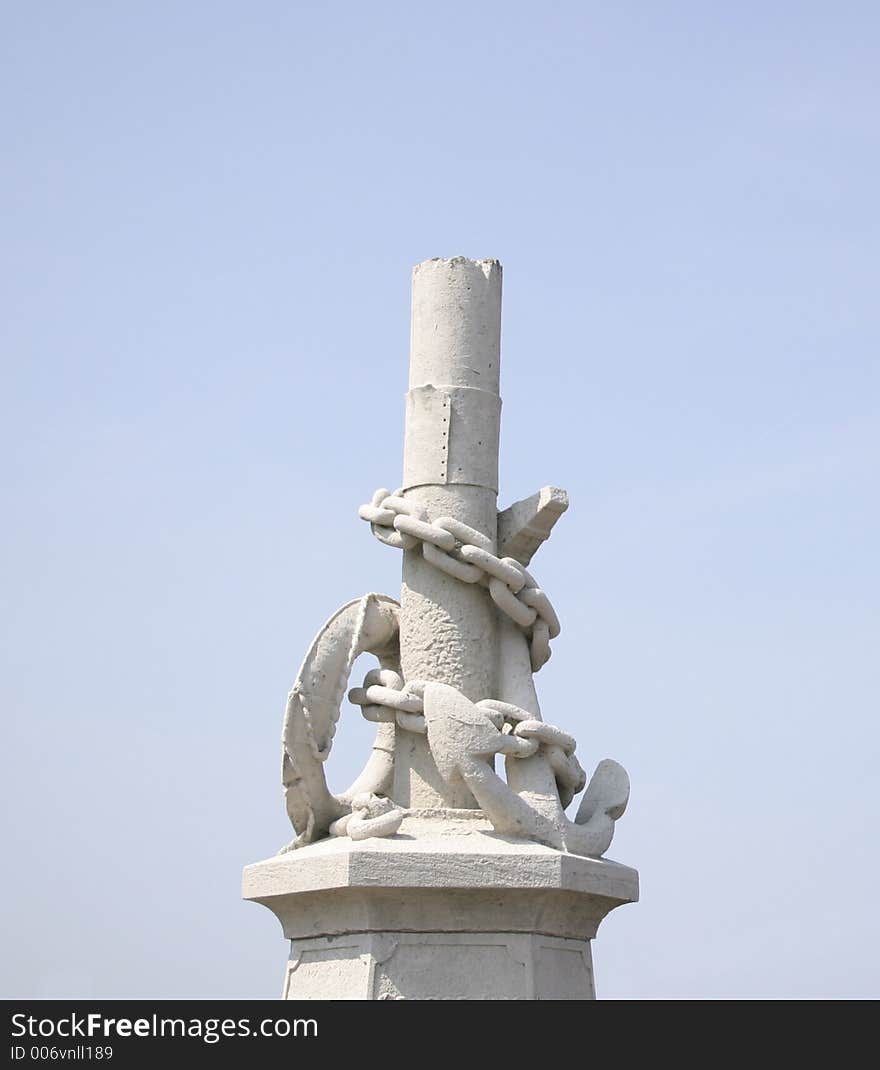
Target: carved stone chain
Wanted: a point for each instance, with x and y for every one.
(466, 554)
(384, 698)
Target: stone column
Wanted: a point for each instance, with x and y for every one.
(450, 468)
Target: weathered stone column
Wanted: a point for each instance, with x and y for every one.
(450, 468)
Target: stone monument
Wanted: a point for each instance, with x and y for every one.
(433, 876)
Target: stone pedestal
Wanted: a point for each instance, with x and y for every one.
(446, 909)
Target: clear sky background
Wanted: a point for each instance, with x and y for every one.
(210, 212)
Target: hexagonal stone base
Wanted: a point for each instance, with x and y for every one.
(446, 909)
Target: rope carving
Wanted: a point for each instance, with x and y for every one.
(466, 554)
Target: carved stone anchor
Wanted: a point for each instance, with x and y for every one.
(465, 737)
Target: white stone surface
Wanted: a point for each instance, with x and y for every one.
(523, 526)
(440, 965)
(446, 909)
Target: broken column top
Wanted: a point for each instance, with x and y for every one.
(456, 324)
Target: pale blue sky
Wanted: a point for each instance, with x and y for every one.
(210, 213)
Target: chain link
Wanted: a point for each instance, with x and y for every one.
(385, 697)
(466, 554)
